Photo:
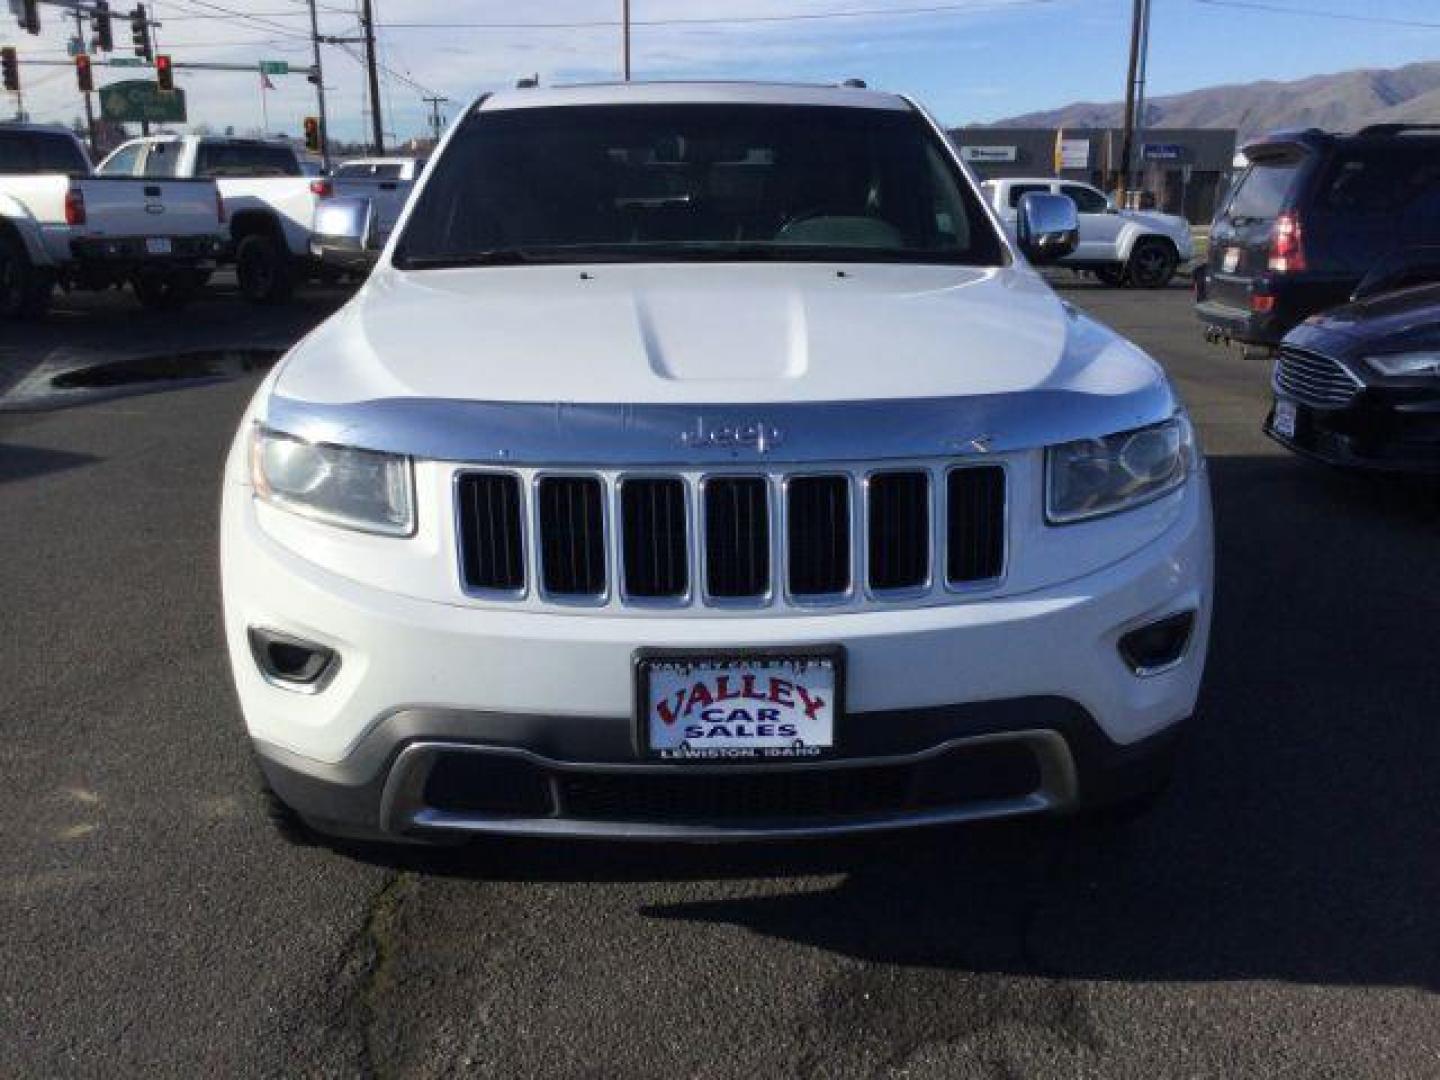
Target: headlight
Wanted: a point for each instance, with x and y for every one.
(1398, 365)
(359, 489)
(1091, 477)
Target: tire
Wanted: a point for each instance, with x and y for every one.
(1114, 276)
(24, 288)
(263, 268)
(1152, 264)
(167, 291)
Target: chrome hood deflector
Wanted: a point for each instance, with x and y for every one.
(1099, 385)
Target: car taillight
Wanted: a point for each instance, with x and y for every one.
(220, 206)
(323, 188)
(74, 207)
(1287, 249)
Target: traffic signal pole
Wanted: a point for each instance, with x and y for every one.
(319, 75)
(89, 108)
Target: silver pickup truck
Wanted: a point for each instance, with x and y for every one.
(60, 225)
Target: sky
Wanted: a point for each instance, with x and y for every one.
(968, 61)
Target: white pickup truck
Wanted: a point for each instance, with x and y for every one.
(269, 201)
(59, 225)
(1121, 247)
(384, 186)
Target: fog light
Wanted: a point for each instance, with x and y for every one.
(292, 662)
(1156, 646)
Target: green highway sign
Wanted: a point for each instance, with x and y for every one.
(138, 99)
(274, 67)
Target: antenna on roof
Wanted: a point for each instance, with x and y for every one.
(529, 82)
(856, 84)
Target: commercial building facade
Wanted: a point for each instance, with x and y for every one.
(1185, 169)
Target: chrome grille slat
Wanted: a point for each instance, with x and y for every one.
(752, 538)
(1313, 379)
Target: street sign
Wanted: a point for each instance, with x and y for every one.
(1074, 153)
(274, 67)
(981, 155)
(137, 99)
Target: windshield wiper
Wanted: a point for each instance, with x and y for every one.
(491, 257)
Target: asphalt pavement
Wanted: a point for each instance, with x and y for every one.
(1275, 915)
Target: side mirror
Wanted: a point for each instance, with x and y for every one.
(1047, 228)
(342, 225)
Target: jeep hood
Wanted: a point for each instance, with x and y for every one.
(698, 334)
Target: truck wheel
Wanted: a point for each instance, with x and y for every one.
(168, 290)
(263, 269)
(1152, 264)
(24, 288)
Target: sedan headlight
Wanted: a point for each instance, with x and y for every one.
(1091, 477)
(1401, 365)
(357, 489)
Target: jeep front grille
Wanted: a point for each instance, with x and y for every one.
(744, 539)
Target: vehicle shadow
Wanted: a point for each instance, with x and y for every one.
(1301, 840)
(24, 462)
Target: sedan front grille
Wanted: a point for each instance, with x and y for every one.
(744, 539)
(1313, 379)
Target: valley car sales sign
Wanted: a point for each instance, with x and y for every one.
(757, 707)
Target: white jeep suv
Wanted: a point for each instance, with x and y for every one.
(702, 462)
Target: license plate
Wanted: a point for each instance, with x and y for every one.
(751, 706)
(158, 245)
(1231, 262)
(1286, 414)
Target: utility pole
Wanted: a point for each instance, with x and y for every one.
(435, 103)
(626, 21)
(319, 87)
(89, 110)
(367, 20)
(1127, 143)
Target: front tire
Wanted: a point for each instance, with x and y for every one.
(262, 266)
(1152, 264)
(24, 287)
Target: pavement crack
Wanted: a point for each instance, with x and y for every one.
(369, 965)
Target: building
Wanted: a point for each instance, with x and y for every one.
(1185, 169)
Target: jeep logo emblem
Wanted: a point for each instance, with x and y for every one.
(758, 436)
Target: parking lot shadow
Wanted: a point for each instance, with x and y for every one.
(1301, 840)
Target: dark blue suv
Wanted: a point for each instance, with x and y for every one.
(1309, 217)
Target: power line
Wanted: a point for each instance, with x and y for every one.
(1382, 20)
(720, 20)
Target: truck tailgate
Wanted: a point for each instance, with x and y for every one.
(387, 197)
(118, 206)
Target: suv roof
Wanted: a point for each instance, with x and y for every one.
(691, 93)
(1316, 139)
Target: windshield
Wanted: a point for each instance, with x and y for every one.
(665, 182)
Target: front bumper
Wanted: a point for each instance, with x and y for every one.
(995, 707)
(1395, 432)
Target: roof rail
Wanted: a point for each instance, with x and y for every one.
(855, 84)
(1395, 129)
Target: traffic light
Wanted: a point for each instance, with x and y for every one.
(83, 76)
(29, 16)
(312, 134)
(100, 17)
(10, 68)
(164, 73)
(140, 33)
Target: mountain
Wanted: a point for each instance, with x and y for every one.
(1340, 102)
